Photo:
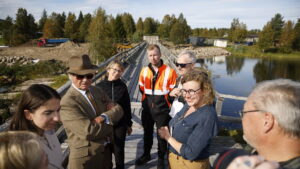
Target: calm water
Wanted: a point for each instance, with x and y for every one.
(237, 76)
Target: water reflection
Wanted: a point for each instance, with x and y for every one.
(267, 69)
(238, 75)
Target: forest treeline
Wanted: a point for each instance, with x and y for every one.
(103, 30)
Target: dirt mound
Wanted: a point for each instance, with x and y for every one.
(68, 45)
(61, 52)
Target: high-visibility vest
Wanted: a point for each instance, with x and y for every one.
(165, 81)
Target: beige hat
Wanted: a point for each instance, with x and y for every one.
(81, 65)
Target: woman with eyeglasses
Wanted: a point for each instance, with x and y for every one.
(192, 129)
(117, 90)
(38, 111)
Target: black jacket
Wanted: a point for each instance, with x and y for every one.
(117, 91)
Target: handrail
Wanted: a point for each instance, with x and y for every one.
(123, 56)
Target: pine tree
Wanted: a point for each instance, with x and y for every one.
(7, 29)
(128, 24)
(277, 25)
(42, 20)
(287, 37)
(296, 42)
(266, 37)
(180, 31)
(83, 30)
(118, 29)
(149, 26)
(70, 26)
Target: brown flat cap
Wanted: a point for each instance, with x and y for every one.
(81, 65)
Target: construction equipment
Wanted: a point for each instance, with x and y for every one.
(51, 42)
(122, 47)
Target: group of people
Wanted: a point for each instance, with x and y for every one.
(98, 118)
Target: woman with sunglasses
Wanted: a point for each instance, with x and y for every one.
(38, 112)
(117, 90)
(194, 126)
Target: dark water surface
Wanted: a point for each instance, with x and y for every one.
(238, 76)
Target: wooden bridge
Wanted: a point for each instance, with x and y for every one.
(134, 59)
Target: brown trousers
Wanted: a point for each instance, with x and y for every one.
(177, 162)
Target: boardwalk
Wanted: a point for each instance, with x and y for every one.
(134, 142)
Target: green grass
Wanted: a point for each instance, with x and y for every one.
(254, 52)
(59, 81)
(1, 41)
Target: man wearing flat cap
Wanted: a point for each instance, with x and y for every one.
(88, 114)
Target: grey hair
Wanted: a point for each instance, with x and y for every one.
(190, 55)
(280, 97)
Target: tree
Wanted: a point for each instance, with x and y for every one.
(266, 37)
(128, 24)
(118, 29)
(287, 37)
(238, 31)
(140, 25)
(277, 25)
(83, 29)
(164, 28)
(296, 42)
(53, 26)
(149, 26)
(6, 28)
(24, 28)
(180, 31)
(101, 46)
(70, 29)
(42, 20)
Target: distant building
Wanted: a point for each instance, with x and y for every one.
(151, 39)
(196, 40)
(220, 43)
(251, 39)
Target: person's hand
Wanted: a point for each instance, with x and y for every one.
(252, 162)
(164, 133)
(129, 131)
(99, 120)
(110, 106)
(175, 92)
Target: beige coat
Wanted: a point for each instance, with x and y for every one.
(86, 138)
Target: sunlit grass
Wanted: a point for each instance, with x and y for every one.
(254, 52)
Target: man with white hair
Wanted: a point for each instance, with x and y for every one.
(271, 124)
(185, 63)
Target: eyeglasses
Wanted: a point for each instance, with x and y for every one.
(116, 70)
(80, 77)
(242, 113)
(190, 91)
(182, 65)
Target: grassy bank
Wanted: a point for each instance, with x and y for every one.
(254, 52)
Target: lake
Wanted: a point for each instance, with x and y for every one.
(238, 76)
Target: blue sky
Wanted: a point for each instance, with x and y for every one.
(199, 13)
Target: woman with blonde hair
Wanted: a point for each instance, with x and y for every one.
(117, 90)
(21, 150)
(194, 126)
(38, 112)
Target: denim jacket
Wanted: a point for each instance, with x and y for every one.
(195, 132)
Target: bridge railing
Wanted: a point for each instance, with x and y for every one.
(171, 58)
(123, 57)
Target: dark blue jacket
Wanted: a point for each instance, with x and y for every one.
(195, 132)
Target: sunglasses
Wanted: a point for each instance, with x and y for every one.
(182, 65)
(88, 76)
